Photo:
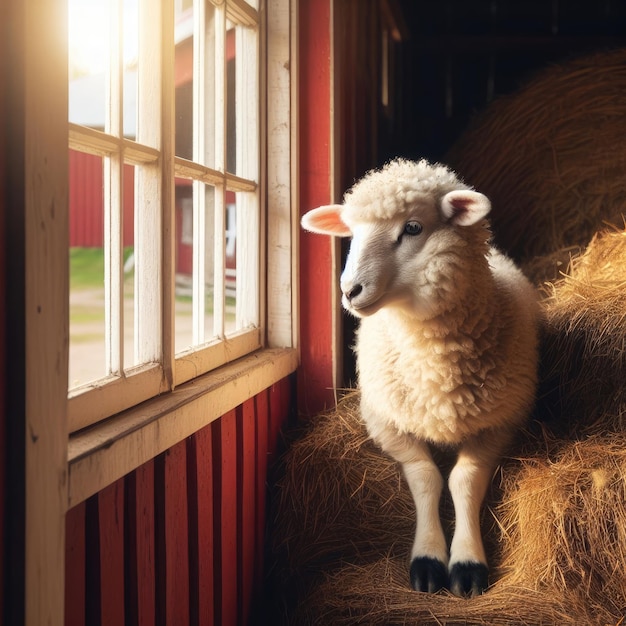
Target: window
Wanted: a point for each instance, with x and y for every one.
(167, 228)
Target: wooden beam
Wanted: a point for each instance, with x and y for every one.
(317, 284)
(45, 214)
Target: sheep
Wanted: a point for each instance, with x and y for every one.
(446, 348)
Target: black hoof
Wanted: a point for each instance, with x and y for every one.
(469, 579)
(428, 574)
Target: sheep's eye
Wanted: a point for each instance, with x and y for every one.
(412, 228)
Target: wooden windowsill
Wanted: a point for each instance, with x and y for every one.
(103, 453)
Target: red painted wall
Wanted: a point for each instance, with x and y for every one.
(315, 388)
(3, 247)
(180, 539)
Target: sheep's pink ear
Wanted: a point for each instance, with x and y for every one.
(326, 220)
(465, 207)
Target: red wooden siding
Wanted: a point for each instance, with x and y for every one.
(180, 539)
(316, 371)
(3, 247)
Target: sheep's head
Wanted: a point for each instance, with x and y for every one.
(402, 229)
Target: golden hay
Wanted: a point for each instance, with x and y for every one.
(343, 522)
(377, 593)
(564, 523)
(552, 156)
(585, 344)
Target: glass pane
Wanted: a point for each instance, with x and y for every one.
(87, 347)
(212, 203)
(183, 80)
(184, 265)
(131, 47)
(88, 58)
(242, 262)
(230, 320)
(195, 206)
(242, 102)
(231, 101)
(128, 243)
(90, 36)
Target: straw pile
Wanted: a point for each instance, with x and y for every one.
(552, 157)
(585, 342)
(555, 529)
(564, 527)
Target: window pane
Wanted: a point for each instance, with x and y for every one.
(88, 57)
(195, 263)
(87, 360)
(128, 281)
(183, 81)
(243, 262)
(243, 102)
(184, 264)
(130, 18)
(230, 264)
(231, 95)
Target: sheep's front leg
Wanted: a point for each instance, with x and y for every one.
(468, 484)
(429, 555)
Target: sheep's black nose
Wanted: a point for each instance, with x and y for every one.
(354, 292)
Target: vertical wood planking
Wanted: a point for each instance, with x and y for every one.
(316, 172)
(246, 449)
(279, 395)
(111, 530)
(75, 566)
(92, 563)
(201, 540)
(176, 536)
(140, 549)
(225, 468)
(261, 405)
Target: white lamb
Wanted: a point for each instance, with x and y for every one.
(446, 349)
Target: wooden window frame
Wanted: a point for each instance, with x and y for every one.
(160, 367)
(62, 470)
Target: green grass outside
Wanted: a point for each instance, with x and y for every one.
(87, 267)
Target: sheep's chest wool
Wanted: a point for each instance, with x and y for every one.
(439, 385)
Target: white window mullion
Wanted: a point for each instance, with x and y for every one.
(148, 199)
(219, 283)
(248, 218)
(113, 205)
(201, 41)
(168, 200)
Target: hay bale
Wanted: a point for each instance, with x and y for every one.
(343, 520)
(552, 156)
(564, 525)
(584, 352)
